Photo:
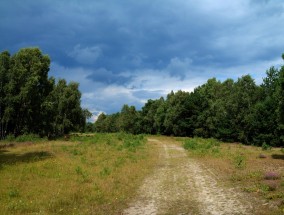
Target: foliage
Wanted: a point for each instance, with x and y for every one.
(265, 146)
(33, 103)
(232, 111)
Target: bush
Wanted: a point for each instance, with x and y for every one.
(190, 144)
(271, 185)
(265, 146)
(28, 138)
(271, 176)
(10, 138)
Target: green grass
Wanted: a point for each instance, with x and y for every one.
(200, 146)
(94, 174)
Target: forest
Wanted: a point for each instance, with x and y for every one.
(33, 103)
(231, 111)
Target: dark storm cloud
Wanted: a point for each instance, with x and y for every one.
(149, 45)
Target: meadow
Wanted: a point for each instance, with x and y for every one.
(101, 173)
(90, 174)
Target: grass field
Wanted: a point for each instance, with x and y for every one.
(258, 172)
(95, 174)
(100, 173)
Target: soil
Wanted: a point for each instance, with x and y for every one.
(181, 185)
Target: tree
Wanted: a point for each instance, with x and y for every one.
(128, 119)
(26, 90)
(177, 114)
(281, 103)
(31, 102)
(65, 101)
(4, 68)
(148, 116)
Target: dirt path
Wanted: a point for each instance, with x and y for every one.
(180, 185)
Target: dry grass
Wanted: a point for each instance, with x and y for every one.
(90, 175)
(242, 167)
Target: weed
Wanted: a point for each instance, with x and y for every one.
(119, 162)
(79, 170)
(76, 152)
(82, 173)
(105, 172)
(239, 161)
(271, 185)
(64, 148)
(108, 142)
(13, 192)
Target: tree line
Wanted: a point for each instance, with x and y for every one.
(233, 111)
(32, 102)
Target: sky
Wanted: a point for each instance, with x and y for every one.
(128, 51)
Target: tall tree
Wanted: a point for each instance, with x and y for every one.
(27, 88)
(281, 103)
(4, 68)
(177, 114)
(128, 121)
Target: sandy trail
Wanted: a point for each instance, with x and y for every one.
(180, 185)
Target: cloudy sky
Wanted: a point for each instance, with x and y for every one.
(128, 51)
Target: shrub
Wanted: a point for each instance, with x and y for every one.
(271, 185)
(13, 192)
(265, 146)
(190, 144)
(262, 156)
(10, 138)
(271, 176)
(28, 138)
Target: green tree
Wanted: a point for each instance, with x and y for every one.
(281, 104)
(26, 90)
(128, 121)
(263, 120)
(148, 116)
(4, 68)
(177, 114)
(65, 100)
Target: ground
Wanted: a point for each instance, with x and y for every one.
(182, 185)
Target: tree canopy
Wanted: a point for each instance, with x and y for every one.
(239, 111)
(32, 102)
